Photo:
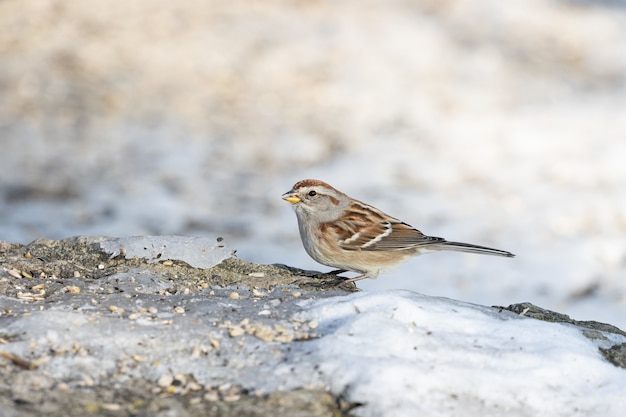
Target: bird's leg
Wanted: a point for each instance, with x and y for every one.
(355, 279)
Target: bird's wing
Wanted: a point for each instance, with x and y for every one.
(383, 236)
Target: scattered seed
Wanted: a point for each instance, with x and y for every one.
(87, 381)
(256, 274)
(168, 263)
(180, 380)
(31, 297)
(215, 343)
(116, 310)
(234, 295)
(165, 380)
(72, 289)
(14, 273)
(258, 293)
(235, 331)
(76, 274)
(19, 361)
(179, 310)
(195, 352)
(231, 397)
(212, 396)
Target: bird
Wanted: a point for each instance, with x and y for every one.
(342, 232)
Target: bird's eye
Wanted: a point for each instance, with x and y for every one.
(312, 193)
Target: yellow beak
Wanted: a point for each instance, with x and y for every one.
(291, 197)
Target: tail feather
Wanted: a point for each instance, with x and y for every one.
(468, 247)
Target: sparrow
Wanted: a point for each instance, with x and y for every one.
(342, 232)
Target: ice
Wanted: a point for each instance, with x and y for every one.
(198, 252)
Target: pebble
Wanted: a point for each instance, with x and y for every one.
(234, 295)
(179, 310)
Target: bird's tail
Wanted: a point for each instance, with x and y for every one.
(468, 247)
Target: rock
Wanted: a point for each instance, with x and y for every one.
(126, 318)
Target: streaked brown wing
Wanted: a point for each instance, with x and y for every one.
(384, 236)
(382, 233)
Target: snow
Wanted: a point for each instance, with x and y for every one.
(401, 353)
(395, 353)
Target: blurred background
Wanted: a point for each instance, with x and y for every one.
(496, 123)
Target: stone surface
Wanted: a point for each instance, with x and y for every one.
(161, 340)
